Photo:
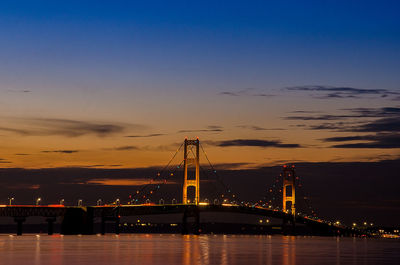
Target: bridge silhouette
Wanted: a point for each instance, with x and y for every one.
(80, 219)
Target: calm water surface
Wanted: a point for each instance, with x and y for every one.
(204, 249)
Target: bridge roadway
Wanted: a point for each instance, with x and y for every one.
(80, 219)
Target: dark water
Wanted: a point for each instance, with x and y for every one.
(204, 249)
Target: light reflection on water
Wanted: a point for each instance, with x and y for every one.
(190, 249)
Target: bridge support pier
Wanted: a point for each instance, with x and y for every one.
(19, 221)
(50, 225)
(103, 226)
(116, 221)
(191, 211)
(77, 220)
(289, 226)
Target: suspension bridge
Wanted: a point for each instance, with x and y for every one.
(279, 202)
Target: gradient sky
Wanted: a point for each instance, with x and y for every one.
(112, 85)
(255, 79)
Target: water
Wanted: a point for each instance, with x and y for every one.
(145, 249)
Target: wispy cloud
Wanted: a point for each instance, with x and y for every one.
(327, 92)
(351, 113)
(4, 161)
(377, 126)
(254, 92)
(156, 148)
(255, 143)
(125, 182)
(384, 141)
(381, 125)
(61, 151)
(145, 136)
(65, 127)
(258, 128)
(228, 93)
(125, 148)
(211, 128)
(19, 90)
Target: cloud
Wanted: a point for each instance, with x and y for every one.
(263, 95)
(19, 90)
(17, 131)
(161, 148)
(253, 92)
(305, 111)
(233, 166)
(65, 127)
(257, 128)
(317, 117)
(125, 182)
(375, 112)
(61, 151)
(22, 186)
(337, 89)
(227, 93)
(145, 136)
(334, 126)
(352, 113)
(381, 125)
(126, 148)
(327, 92)
(211, 128)
(255, 143)
(377, 126)
(386, 119)
(101, 166)
(384, 141)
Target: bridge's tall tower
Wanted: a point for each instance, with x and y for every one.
(191, 158)
(289, 189)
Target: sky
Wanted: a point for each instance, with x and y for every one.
(120, 84)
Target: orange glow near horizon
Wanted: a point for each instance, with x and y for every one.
(125, 182)
(136, 142)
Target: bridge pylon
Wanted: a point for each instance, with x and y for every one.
(289, 189)
(191, 159)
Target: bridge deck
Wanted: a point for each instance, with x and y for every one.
(145, 209)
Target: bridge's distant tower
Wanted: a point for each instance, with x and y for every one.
(191, 158)
(289, 189)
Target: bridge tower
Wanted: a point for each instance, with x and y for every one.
(191, 159)
(289, 189)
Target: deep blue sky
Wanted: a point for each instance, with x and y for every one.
(258, 43)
